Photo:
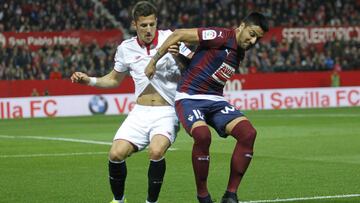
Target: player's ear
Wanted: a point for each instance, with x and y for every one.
(133, 24)
(242, 26)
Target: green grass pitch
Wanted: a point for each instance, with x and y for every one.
(300, 153)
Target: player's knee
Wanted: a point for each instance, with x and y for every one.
(251, 136)
(117, 154)
(244, 133)
(155, 153)
(201, 135)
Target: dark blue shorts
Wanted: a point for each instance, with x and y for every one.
(217, 114)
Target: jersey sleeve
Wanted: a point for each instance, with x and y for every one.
(213, 37)
(119, 65)
(184, 50)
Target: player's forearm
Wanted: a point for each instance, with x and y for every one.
(172, 39)
(179, 35)
(103, 82)
(113, 79)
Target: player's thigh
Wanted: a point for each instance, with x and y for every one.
(121, 149)
(230, 126)
(224, 115)
(191, 113)
(135, 129)
(164, 122)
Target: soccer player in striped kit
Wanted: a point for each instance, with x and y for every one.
(200, 101)
(152, 122)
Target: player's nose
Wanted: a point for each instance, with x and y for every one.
(148, 28)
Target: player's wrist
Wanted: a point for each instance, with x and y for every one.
(92, 81)
(156, 57)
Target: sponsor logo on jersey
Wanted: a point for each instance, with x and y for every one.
(227, 52)
(223, 73)
(220, 35)
(208, 34)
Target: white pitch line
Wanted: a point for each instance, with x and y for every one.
(62, 139)
(57, 139)
(308, 115)
(50, 155)
(302, 198)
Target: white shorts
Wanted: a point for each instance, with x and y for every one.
(143, 122)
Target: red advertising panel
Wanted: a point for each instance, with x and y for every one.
(24, 88)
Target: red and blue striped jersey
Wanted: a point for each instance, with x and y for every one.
(213, 63)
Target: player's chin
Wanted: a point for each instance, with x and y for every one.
(244, 46)
(148, 39)
(249, 47)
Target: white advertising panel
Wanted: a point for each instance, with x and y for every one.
(53, 106)
(294, 98)
(114, 104)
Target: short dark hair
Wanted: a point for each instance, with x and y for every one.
(258, 19)
(143, 8)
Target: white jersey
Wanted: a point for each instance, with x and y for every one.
(133, 57)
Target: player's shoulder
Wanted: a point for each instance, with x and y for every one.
(128, 42)
(217, 29)
(210, 33)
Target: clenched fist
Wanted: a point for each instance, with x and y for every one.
(79, 77)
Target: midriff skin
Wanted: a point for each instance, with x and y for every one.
(150, 97)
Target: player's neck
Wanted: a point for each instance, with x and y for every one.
(237, 34)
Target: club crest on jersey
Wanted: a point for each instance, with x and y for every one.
(208, 34)
(223, 73)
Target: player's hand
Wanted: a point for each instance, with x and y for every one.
(150, 69)
(79, 77)
(174, 49)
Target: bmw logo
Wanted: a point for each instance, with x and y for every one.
(98, 105)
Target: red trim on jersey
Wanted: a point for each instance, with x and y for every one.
(151, 45)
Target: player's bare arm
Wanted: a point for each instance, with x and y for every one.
(112, 79)
(179, 35)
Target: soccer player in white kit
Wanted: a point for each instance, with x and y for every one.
(153, 121)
